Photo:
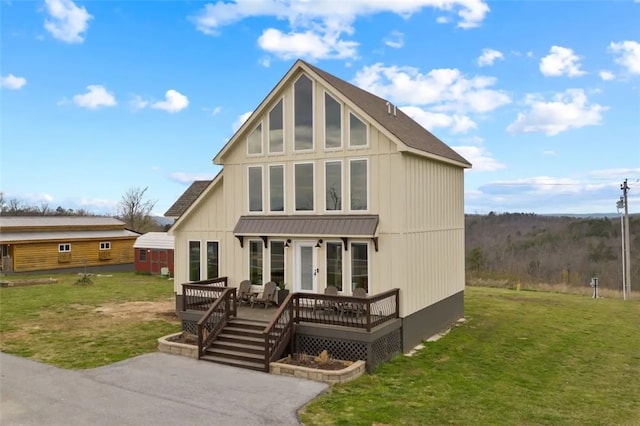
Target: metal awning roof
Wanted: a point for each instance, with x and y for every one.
(311, 226)
(11, 237)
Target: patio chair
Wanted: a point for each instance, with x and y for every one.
(355, 308)
(327, 305)
(268, 295)
(244, 292)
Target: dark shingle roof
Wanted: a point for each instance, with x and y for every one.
(402, 126)
(187, 198)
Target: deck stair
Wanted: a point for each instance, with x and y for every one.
(239, 344)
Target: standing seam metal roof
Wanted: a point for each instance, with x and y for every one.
(333, 225)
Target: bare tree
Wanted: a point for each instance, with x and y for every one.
(135, 211)
(44, 208)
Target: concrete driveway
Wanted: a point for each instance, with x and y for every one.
(152, 389)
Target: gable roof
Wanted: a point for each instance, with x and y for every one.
(400, 127)
(155, 240)
(406, 129)
(35, 222)
(187, 198)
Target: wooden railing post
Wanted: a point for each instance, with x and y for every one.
(397, 303)
(368, 312)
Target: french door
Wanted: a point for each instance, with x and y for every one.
(306, 269)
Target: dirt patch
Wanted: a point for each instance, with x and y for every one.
(320, 362)
(185, 338)
(143, 311)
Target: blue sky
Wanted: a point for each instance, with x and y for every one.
(101, 96)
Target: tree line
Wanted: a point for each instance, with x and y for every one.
(134, 209)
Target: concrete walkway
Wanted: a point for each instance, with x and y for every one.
(158, 389)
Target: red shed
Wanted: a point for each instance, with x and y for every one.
(154, 251)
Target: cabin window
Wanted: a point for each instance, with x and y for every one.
(213, 260)
(142, 255)
(360, 266)
(358, 185)
(254, 142)
(277, 261)
(106, 245)
(64, 248)
(276, 188)
(276, 129)
(333, 185)
(357, 131)
(255, 262)
(255, 189)
(304, 186)
(194, 260)
(334, 265)
(332, 122)
(303, 114)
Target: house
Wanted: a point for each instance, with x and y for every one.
(326, 184)
(154, 253)
(43, 243)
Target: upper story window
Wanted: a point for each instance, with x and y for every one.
(358, 184)
(63, 248)
(304, 186)
(332, 123)
(333, 185)
(303, 114)
(276, 188)
(106, 245)
(276, 129)
(255, 188)
(254, 142)
(357, 131)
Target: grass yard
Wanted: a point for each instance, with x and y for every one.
(521, 358)
(119, 316)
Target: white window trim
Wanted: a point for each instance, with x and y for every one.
(249, 211)
(345, 265)
(342, 189)
(105, 244)
(350, 263)
(264, 263)
(64, 248)
(206, 265)
(313, 190)
(366, 126)
(284, 126)
(256, 154)
(348, 208)
(324, 127)
(284, 189)
(313, 116)
(189, 259)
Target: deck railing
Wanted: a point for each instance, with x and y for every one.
(216, 317)
(200, 295)
(279, 332)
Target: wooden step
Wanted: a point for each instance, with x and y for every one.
(237, 347)
(241, 331)
(245, 340)
(258, 366)
(233, 354)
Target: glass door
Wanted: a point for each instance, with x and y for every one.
(306, 269)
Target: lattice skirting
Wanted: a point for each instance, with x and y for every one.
(374, 353)
(190, 326)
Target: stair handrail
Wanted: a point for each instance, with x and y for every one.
(275, 342)
(213, 328)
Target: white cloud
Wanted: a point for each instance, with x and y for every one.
(628, 55)
(12, 82)
(308, 44)
(240, 120)
(443, 89)
(488, 57)
(188, 178)
(216, 110)
(568, 110)
(561, 61)
(67, 22)
(174, 102)
(96, 97)
(431, 120)
(395, 40)
(606, 75)
(617, 174)
(481, 159)
(549, 153)
(137, 103)
(443, 20)
(265, 61)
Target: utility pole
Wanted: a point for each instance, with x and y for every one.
(627, 255)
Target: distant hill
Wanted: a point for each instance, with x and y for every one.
(163, 221)
(551, 249)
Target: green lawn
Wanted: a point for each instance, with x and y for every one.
(72, 326)
(521, 358)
